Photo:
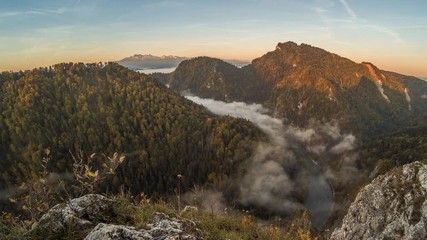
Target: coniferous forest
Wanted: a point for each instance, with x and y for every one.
(91, 110)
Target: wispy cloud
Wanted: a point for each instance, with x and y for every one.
(17, 13)
(35, 11)
(321, 11)
(394, 35)
(348, 9)
(352, 21)
(411, 27)
(49, 11)
(244, 26)
(56, 30)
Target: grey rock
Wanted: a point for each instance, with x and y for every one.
(78, 213)
(84, 212)
(117, 232)
(168, 228)
(162, 227)
(392, 206)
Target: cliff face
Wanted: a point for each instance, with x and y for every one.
(393, 206)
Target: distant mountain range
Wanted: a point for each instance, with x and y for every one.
(302, 83)
(140, 62)
(148, 61)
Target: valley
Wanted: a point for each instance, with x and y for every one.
(309, 90)
(213, 120)
(293, 135)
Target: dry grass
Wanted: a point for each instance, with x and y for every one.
(138, 213)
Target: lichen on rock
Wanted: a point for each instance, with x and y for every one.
(82, 214)
(78, 213)
(116, 232)
(161, 227)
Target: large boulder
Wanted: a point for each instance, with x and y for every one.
(392, 206)
(78, 213)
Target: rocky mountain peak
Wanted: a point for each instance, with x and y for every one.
(286, 46)
(307, 52)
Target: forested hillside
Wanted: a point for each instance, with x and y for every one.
(80, 109)
(213, 78)
(396, 150)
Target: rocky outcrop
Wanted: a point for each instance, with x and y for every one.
(84, 213)
(78, 212)
(111, 231)
(392, 206)
(161, 227)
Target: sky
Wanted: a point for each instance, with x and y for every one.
(392, 34)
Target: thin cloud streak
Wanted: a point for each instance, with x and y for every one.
(35, 11)
(411, 27)
(354, 22)
(387, 31)
(348, 9)
(48, 11)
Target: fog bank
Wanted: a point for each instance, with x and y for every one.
(283, 174)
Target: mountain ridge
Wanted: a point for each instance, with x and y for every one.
(151, 57)
(302, 82)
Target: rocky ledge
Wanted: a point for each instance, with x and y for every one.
(78, 213)
(392, 206)
(94, 214)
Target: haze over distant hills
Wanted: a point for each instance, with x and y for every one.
(148, 61)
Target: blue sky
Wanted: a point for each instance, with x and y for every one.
(392, 34)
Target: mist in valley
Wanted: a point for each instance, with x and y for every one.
(290, 171)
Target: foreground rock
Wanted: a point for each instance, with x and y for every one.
(393, 206)
(111, 231)
(162, 227)
(94, 213)
(78, 213)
